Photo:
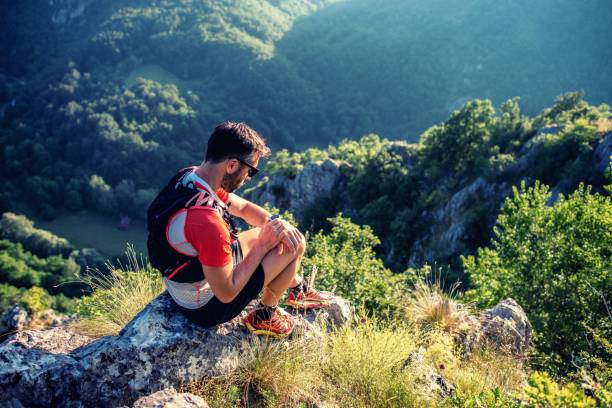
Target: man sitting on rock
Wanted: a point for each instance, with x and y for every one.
(211, 271)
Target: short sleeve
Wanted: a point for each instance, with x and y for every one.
(206, 231)
(223, 195)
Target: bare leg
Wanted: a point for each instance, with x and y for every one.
(280, 270)
(275, 289)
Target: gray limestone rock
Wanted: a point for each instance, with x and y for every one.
(15, 319)
(170, 399)
(57, 340)
(434, 383)
(317, 180)
(65, 11)
(505, 327)
(50, 318)
(447, 234)
(601, 156)
(158, 349)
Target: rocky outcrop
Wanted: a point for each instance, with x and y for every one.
(57, 340)
(601, 156)
(434, 383)
(18, 318)
(158, 349)
(317, 180)
(448, 233)
(504, 327)
(15, 319)
(171, 399)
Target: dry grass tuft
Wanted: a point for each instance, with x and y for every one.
(431, 308)
(117, 296)
(272, 373)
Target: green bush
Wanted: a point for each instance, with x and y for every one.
(24, 269)
(9, 295)
(347, 263)
(554, 157)
(18, 228)
(459, 146)
(543, 392)
(557, 263)
(36, 300)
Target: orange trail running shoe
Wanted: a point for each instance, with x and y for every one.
(307, 299)
(305, 296)
(279, 325)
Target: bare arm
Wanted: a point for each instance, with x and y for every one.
(226, 282)
(250, 212)
(257, 216)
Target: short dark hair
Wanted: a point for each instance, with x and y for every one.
(235, 139)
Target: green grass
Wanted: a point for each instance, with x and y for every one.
(88, 230)
(159, 74)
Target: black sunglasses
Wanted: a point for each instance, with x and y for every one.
(252, 169)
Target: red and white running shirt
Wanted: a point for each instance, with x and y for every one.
(200, 230)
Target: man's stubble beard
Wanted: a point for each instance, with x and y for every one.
(231, 182)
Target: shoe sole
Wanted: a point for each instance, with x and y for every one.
(319, 304)
(268, 333)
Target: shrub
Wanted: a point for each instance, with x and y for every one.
(23, 269)
(486, 399)
(554, 157)
(18, 228)
(9, 295)
(544, 392)
(554, 261)
(460, 146)
(36, 300)
(348, 265)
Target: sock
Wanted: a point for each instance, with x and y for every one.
(300, 287)
(264, 312)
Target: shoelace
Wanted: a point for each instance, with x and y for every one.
(311, 277)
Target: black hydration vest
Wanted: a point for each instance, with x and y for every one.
(173, 197)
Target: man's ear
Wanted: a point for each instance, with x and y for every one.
(232, 166)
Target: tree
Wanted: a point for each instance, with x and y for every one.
(459, 146)
(557, 263)
(346, 261)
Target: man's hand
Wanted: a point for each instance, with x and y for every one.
(271, 234)
(292, 238)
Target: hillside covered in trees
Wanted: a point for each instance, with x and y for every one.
(465, 140)
(84, 84)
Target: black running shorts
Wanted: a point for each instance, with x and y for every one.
(214, 311)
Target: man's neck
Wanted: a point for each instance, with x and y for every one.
(211, 174)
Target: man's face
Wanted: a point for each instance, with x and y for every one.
(233, 181)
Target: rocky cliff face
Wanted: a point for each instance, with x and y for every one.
(456, 225)
(317, 180)
(448, 233)
(603, 153)
(158, 349)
